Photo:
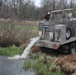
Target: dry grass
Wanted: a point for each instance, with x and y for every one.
(17, 32)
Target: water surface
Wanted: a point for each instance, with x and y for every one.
(13, 67)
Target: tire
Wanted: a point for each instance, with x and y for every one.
(68, 33)
(73, 32)
(72, 48)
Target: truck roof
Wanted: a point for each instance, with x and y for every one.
(61, 11)
(68, 9)
(57, 11)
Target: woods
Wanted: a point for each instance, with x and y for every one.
(26, 9)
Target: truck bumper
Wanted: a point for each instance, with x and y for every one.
(48, 44)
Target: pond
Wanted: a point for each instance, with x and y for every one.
(13, 67)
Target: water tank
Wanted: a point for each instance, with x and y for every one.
(60, 33)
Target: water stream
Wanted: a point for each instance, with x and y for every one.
(26, 50)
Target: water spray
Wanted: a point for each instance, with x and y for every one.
(26, 50)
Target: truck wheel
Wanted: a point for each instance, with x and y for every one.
(73, 32)
(72, 47)
(68, 33)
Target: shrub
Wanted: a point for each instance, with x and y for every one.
(6, 33)
(67, 69)
(10, 51)
(74, 73)
(41, 66)
(15, 33)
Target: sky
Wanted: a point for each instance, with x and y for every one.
(37, 2)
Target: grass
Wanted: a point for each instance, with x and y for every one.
(10, 51)
(42, 65)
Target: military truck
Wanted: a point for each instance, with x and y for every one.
(59, 32)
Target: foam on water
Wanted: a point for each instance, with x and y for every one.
(26, 50)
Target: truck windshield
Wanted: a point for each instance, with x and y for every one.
(61, 16)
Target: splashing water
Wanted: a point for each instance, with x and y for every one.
(26, 50)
